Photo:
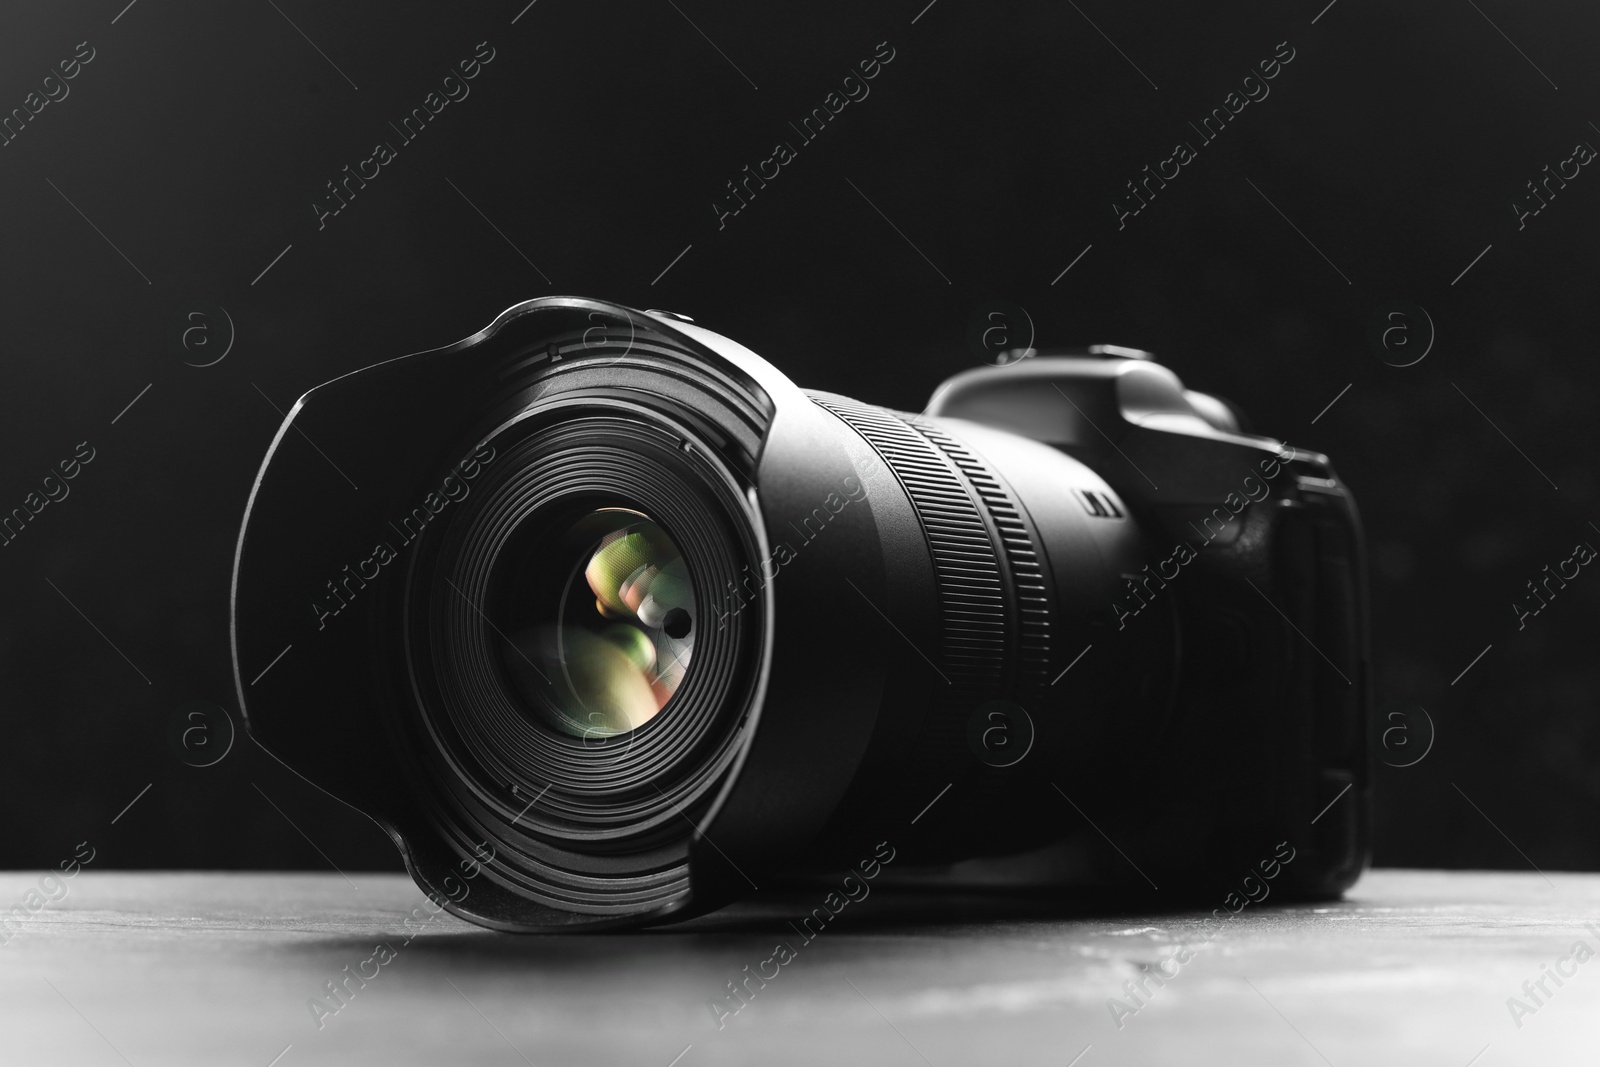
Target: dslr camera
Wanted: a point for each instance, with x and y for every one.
(621, 624)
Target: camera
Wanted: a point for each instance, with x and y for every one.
(607, 622)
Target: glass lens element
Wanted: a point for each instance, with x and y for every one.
(615, 635)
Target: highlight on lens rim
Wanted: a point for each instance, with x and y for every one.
(602, 624)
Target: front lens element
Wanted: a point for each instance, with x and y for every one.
(605, 625)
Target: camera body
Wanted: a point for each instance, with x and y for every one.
(1253, 558)
(1071, 602)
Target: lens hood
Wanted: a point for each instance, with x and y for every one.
(360, 492)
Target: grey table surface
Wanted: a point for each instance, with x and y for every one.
(1413, 967)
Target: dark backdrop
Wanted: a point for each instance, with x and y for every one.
(189, 151)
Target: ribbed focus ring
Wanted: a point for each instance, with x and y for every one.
(1030, 592)
(971, 582)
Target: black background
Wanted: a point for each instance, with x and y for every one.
(596, 141)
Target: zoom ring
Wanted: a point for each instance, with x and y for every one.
(1030, 593)
(971, 582)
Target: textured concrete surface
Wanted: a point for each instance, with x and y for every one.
(221, 969)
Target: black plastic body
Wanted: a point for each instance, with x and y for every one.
(1254, 549)
(992, 554)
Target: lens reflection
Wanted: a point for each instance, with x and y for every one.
(614, 636)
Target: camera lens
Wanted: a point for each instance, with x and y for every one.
(574, 680)
(600, 621)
